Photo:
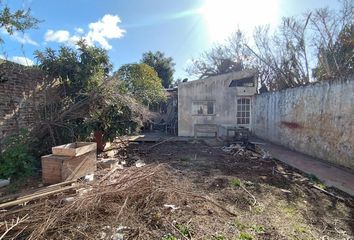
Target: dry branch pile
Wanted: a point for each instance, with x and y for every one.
(130, 202)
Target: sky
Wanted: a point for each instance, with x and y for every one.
(182, 29)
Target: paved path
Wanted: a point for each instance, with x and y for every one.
(331, 175)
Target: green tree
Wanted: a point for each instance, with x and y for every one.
(80, 70)
(142, 82)
(164, 66)
(19, 20)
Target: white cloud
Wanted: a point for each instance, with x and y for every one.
(105, 29)
(100, 32)
(60, 36)
(18, 59)
(22, 60)
(22, 38)
(79, 30)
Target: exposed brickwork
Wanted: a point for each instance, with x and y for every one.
(21, 92)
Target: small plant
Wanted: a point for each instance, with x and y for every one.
(315, 180)
(258, 229)
(186, 231)
(236, 182)
(169, 237)
(16, 160)
(258, 210)
(219, 237)
(245, 236)
(240, 226)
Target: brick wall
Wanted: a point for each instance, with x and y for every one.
(21, 92)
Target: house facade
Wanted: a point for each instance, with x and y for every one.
(212, 105)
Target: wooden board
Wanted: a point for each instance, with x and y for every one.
(56, 169)
(74, 149)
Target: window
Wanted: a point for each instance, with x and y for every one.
(243, 111)
(203, 108)
(243, 82)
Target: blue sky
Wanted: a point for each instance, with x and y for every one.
(182, 29)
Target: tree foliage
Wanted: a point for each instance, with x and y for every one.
(79, 70)
(142, 82)
(19, 20)
(89, 98)
(164, 66)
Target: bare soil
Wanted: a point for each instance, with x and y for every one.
(287, 206)
(189, 190)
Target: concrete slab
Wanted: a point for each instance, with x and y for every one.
(331, 175)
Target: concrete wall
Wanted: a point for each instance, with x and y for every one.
(317, 120)
(20, 94)
(210, 89)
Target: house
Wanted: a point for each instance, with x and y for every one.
(213, 105)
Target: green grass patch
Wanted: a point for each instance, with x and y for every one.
(185, 230)
(236, 182)
(258, 229)
(245, 236)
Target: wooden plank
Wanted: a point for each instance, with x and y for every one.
(56, 169)
(36, 191)
(74, 149)
(51, 169)
(33, 197)
(80, 166)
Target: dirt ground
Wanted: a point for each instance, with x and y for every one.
(270, 200)
(189, 190)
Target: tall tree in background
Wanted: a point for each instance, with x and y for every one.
(223, 58)
(164, 66)
(142, 82)
(282, 58)
(19, 20)
(285, 57)
(334, 41)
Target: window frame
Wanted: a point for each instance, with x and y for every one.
(243, 111)
(206, 103)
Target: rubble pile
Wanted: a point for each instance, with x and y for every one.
(246, 151)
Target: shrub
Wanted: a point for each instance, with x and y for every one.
(16, 160)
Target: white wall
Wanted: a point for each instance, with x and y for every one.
(317, 119)
(213, 89)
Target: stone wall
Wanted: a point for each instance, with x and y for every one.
(317, 120)
(21, 92)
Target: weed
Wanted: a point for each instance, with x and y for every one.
(258, 210)
(16, 160)
(184, 230)
(169, 237)
(236, 182)
(240, 226)
(289, 209)
(219, 237)
(300, 229)
(258, 229)
(245, 236)
(315, 180)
